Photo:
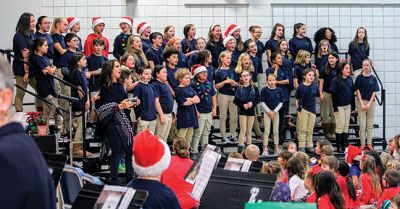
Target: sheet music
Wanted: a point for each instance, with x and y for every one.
(236, 164)
(113, 197)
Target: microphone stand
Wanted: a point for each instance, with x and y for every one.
(84, 159)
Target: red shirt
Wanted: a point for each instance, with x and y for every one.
(368, 196)
(388, 194)
(349, 203)
(88, 48)
(325, 203)
(312, 198)
(173, 177)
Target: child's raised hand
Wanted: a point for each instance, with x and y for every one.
(234, 83)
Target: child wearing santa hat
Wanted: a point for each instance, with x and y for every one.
(74, 26)
(234, 30)
(230, 46)
(144, 31)
(121, 40)
(149, 166)
(98, 25)
(206, 108)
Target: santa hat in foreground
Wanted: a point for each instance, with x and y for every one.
(227, 39)
(72, 21)
(232, 28)
(151, 156)
(127, 20)
(141, 27)
(197, 68)
(96, 21)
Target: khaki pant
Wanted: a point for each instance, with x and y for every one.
(19, 96)
(343, 119)
(267, 128)
(77, 125)
(366, 121)
(256, 124)
(186, 133)
(64, 90)
(162, 130)
(48, 109)
(327, 115)
(151, 125)
(246, 125)
(306, 126)
(202, 133)
(225, 102)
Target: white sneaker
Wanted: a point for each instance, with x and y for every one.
(265, 153)
(226, 140)
(234, 140)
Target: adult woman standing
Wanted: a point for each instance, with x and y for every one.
(114, 117)
(21, 43)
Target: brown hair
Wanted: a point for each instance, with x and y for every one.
(331, 161)
(235, 155)
(369, 167)
(181, 73)
(271, 167)
(295, 167)
(327, 150)
(181, 148)
(392, 178)
(303, 157)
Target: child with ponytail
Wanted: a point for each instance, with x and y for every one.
(370, 185)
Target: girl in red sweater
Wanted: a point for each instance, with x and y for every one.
(328, 191)
(346, 186)
(370, 184)
(391, 182)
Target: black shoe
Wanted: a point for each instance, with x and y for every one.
(339, 142)
(310, 150)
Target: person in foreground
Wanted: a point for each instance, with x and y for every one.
(151, 157)
(24, 176)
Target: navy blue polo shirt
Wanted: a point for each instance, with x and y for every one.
(287, 66)
(210, 74)
(366, 85)
(221, 75)
(147, 107)
(161, 90)
(271, 97)
(327, 77)
(155, 55)
(234, 59)
(358, 54)
(66, 58)
(44, 82)
(246, 94)
(188, 46)
(79, 49)
(271, 45)
(186, 115)
(256, 64)
(171, 77)
(342, 92)
(296, 44)
(50, 43)
(332, 46)
(95, 62)
(298, 72)
(120, 43)
(58, 38)
(320, 62)
(282, 75)
(146, 44)
(182, 62)
(306, 96)
(215, 48)
(78, 78)
(193, 59)
(20, 42)
(205, 91)
(139, 62)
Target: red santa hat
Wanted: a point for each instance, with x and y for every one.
(151, 156)
(197, 68)
(96, 21)
(227, 39)
(127, 20)
(141, 27)
(353, 153)
(72, 21)
(232, 28)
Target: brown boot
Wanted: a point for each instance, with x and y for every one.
(325, 129)
(332, 130)
(77, 151)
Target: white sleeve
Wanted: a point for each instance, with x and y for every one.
(265, 107)
(277, 108)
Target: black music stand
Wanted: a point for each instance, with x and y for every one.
(56, 165)
(232, 189)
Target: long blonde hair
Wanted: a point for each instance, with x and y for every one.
(368, 167)
(239, 67)
(222, 55)
(56, 21)
(301, 57)
(135, 54)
